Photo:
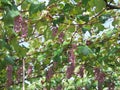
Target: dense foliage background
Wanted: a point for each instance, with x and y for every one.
(59, 45)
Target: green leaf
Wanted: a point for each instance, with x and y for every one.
(67, 7)
(86, 28)
(85, 2)
(57, 54)
(104, 18)
(41, 57)
(9, 59)
(6, 2)
(13, 13)
(59, 20)
(83, 18)
(9, 16)
(100, 4)
(109, 33)
(85, 50)
(52, 1)
(34, 8)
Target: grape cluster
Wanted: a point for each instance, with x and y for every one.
(111, 86)
(79, 88)
(17, 23)
(71, 60)
(88, 42)
(54, 30)
(29, 71)
(24, 28)
(71, 57)
(19, 73)
(100, 76)
(20, 25)
(81, 71)
(9, 70)
(49, 74)
(54, 64)
(50, 71)
(74, 46)
(59, 87)
(70, 71)
(60, 37)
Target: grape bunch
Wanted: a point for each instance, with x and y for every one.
(74, 46)
(71, 57)
(29, 71)
(71, 60)
(24, 28)
(20, 25)
(99, 75)
(54, 64)
(19, 73)
(9, 70)
(54, 30)
(111, 86)
(59, 87)
(81, 71)
(70, 71)
(60, 37)
(17, 23)
(96, 73)
(49, 74)
(79, 88)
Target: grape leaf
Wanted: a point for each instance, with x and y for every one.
(34, 8)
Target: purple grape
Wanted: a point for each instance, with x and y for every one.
(70, 71)
(60, 37)
(9, 70)
(20, 25)
(54, 31)
(19, 73)
(29, 71)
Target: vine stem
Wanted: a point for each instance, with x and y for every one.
(23, 74)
